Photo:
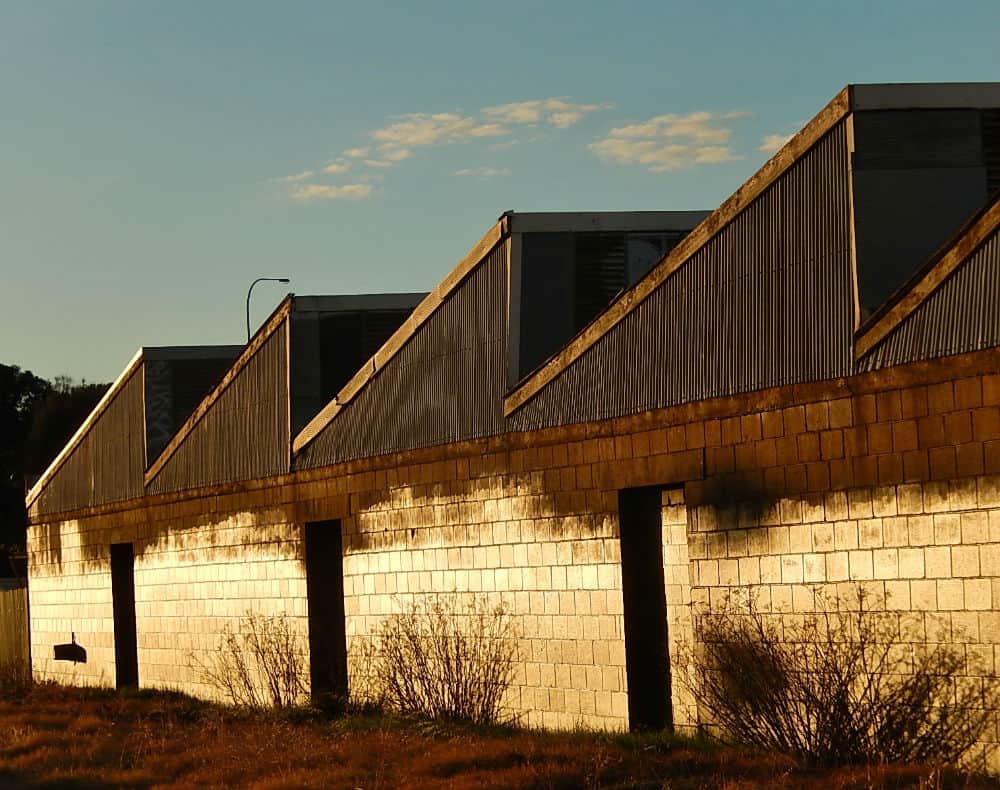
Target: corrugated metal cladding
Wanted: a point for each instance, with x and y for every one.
(244, 435)
(960, 316)
(174, 388)
(445, 385)
(766, 302)
(108, 464)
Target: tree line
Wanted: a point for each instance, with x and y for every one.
(37, 418)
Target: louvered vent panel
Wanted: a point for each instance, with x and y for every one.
(378, 327)
(600, 273)
(991, 149)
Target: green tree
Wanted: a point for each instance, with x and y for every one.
(37, 418)
(20, 392)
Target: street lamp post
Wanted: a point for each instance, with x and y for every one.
(250, 291)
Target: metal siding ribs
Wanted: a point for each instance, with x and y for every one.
(960, 316)
(445, 385)
(244, 435)
(108, 463)
(768, 301)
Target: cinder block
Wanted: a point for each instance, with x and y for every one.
(970, 459)
(822, 537)
(841, 413)
(777, 538)
(813, 568)
(770, 569)
(940, 397)
(861, 566)
(845, 535)
(978, 594)
(923, 595)
(757, 541)
(835, 504)
(962, 494)
(708, 573)
(860, 503)
(947, 528)
(975, 527)
(831, 444)
(799, 538)
(729, 573)
(904, 435)
(989, 558)
(936, 497)
(897, 595)
(968, 393)
(909, 499)
(791, 569)
(870, 533)
(911, 563)
(951, 594)
(749, 568)
(886, 563)
(895, 531)
(888, 406)
(884, 501)
(736, 542)
(921, 530)
(965, 561)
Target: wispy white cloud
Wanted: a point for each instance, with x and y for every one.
(296, 177)
(336, 167)
(401, 137)
(558, 112)
(771, 143)
(483, 172)
(671, 142)
(698, 127)
(306, 192)
(389, 157)
(418, 130)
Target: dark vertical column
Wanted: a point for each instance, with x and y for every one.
(325, 592)
(647, 662)
(123, 603)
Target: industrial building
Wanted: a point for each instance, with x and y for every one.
(604, 420)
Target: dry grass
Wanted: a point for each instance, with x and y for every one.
(56, 737)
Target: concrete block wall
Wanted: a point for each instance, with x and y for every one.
(69, 593)
(889, 480)
(914, 518)
(194, 576)
(458, 527)
(680, 616)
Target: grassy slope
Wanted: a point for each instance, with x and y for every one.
(56, 737)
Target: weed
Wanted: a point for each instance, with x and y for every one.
(258, 666)
(441, 659)
(839, 687)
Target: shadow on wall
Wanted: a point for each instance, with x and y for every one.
(427, 515)
(229, 536)
(737, 501)
(50, 543)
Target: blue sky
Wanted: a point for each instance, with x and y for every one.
(155, 157)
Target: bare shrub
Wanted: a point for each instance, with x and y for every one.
(842, 686)
(442, 659)
(258, 666)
